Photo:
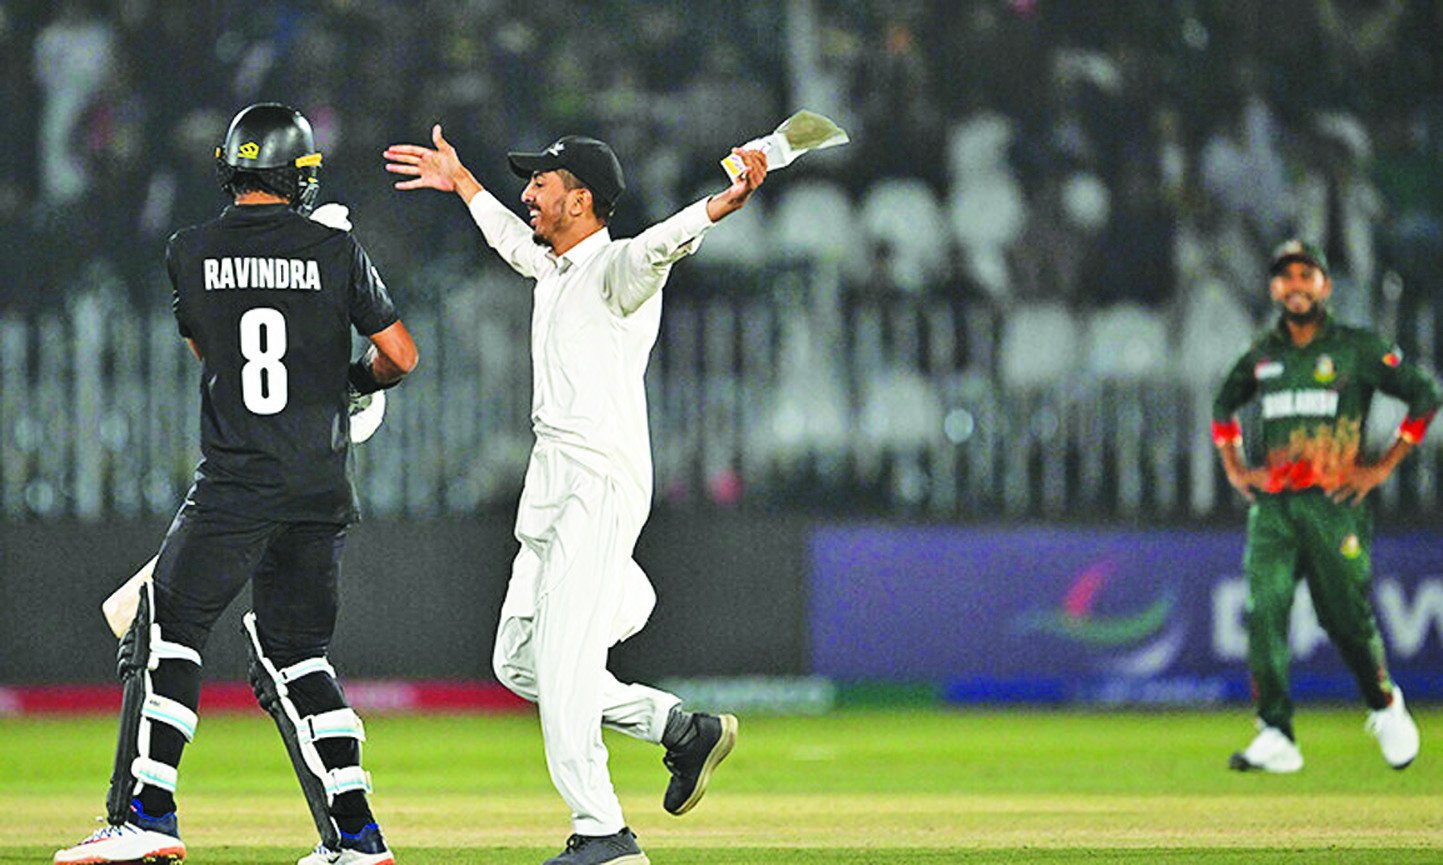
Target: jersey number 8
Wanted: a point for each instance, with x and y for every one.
(263, 344)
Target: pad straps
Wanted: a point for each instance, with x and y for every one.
(153, 772)
(347, 779)
(305, 668)
(171, 712)
(161, 650)
(335, 724)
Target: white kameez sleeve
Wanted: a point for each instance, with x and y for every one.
(645, 261)
(508, 234)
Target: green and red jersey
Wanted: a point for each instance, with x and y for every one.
(1315, 400)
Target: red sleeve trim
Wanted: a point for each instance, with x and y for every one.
(1227, 432)
(1412, 429)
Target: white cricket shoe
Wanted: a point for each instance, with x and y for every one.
(366, 847)
(324, 855)
(1395, 731)
(124, 843)
(1270, 751)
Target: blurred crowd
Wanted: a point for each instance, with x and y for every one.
(1004, 151)
(1037, 194)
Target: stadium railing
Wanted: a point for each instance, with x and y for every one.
(777, 387)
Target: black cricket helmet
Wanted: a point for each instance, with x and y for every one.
(270, 147)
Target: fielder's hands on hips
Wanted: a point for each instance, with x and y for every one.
(1248, 481)
(438, 168)
(1360, 481)
(735, 196)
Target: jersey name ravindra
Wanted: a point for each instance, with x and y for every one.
(251, 272)
(270, 299)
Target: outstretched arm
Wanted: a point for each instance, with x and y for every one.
(735, 197)
(639, 273)
(439, 168)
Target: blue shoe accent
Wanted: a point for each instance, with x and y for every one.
(368, 840)
(165, 824)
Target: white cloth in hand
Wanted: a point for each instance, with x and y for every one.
(367, 411)
(333, 215)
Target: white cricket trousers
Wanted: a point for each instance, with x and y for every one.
(574, 593)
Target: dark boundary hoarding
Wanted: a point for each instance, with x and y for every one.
(420, 598)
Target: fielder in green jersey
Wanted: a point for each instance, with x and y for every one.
(1315, 379)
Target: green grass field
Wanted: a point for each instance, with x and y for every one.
(852, 787)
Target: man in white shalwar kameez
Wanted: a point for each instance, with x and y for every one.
(575, 590)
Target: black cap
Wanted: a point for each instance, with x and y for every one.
(1297, 250)
(592, 161)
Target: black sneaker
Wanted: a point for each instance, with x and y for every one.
(618, 849)
(691, 764)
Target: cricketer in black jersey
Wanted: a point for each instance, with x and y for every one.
(269, 298)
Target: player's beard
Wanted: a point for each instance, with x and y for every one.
(1312, 315)
(540, 236)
